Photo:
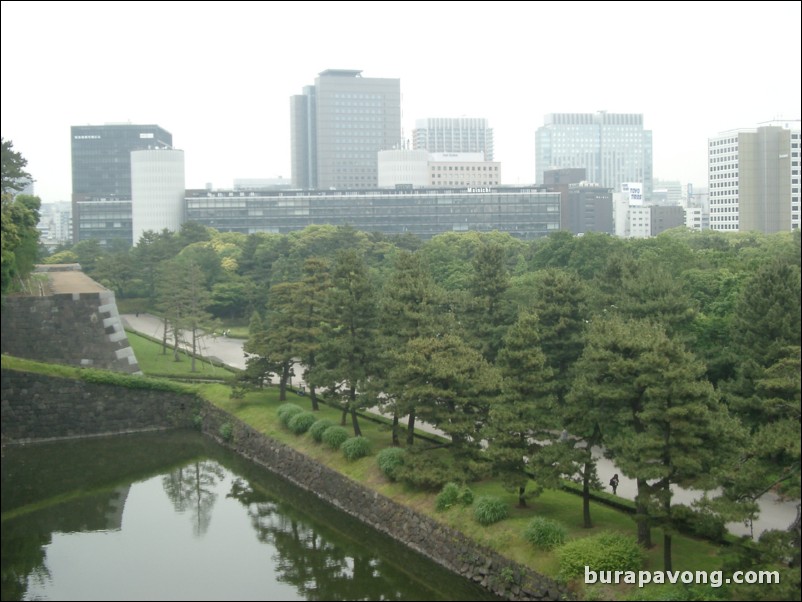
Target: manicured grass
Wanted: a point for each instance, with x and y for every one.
(155, 363)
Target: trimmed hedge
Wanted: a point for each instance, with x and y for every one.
(447, 497)
(301, 422)
(334, 436)
(390, 460)
(356, 447)
(286, 411)
(319, 427)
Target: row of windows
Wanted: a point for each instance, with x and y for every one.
(465, 168)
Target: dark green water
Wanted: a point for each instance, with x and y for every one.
(172, 516)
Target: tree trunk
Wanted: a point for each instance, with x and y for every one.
(164, 337)
(352, 406)
(313, 397)
(194, 346)
(642, 515)
(282, 382)
(175, 343)
(411, 428)
(587, 523)
(667, 563)
(522, 496)
(396, 442)
(345, 415)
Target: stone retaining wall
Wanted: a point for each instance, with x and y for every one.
(78, 329)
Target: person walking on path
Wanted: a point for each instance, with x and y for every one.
(614, 483)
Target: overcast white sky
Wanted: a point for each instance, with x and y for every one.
(218, 75)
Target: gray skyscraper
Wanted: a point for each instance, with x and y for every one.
(339, 125)
(101, 173)
(613, 147)
(454, 135)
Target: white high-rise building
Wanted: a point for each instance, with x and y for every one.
(454, 135)
(753, 178)
(157, 190)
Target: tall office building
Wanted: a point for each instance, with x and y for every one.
(339, 125)
(454, 135)
(101, 173)
(613, 147)
(753, 178)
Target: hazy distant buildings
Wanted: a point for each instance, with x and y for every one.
(157, 191)
(753, 178)
(454, 135)
(612, 147)
(525, 213)
(101, 173)
(339, 125)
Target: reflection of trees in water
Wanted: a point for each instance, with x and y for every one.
(22, 554)
(192, 488)
(320, 569)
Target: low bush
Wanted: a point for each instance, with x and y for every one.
(390, 460)
(466, 496)
(545, 533)
(603, 552)
(226, 431)
(286, 411)
(319, 426)
(490, 510)
(334, 436)
(356, 447)
(447, 497)
(301, 422)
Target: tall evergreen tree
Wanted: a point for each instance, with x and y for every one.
(349, 340)
(521, 421)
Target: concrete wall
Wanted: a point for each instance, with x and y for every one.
(78, 329)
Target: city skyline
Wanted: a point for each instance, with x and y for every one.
(219, 78)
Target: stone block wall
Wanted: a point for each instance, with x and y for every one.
(78, 329)
(39, 407)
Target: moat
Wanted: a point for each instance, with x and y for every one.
(172, 516)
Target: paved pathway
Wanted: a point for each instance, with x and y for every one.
(774, 513)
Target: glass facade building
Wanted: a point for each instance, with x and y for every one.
(101, 164)
(525, 213)
(613, 148)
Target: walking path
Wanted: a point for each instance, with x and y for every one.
(774, 512)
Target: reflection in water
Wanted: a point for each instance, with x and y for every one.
(110, 534)
(192, 487)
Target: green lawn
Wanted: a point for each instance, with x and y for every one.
(153, 362)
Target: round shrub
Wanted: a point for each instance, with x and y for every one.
(356, 447)
(286, 411)
(490, 510)
(334, 436)
(603, 552)
(447, 497)
(545, 533)
(300, 423)
(390, 459)
(466, 496)
(317, 429)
